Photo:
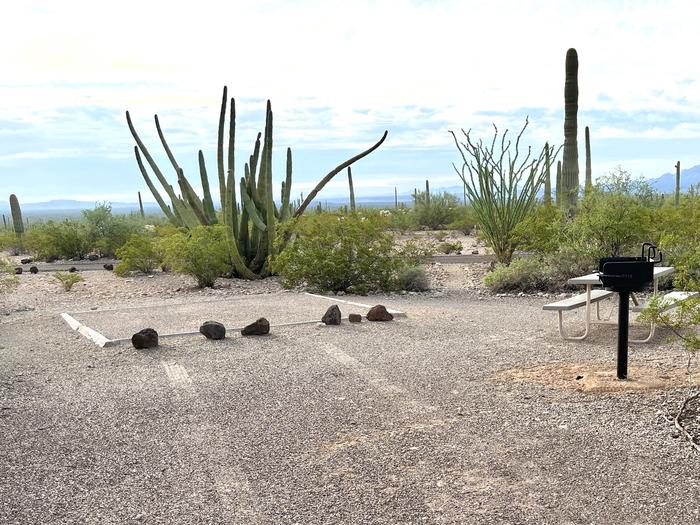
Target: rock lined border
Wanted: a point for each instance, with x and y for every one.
(102, 341)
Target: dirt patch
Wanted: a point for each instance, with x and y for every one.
(598, 377)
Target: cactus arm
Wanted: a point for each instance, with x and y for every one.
(255, 156)
(270, 204)
(220, 153)
(285, 210)
(589, 175)
(192, 200)
(168, 152)
(207, 203)
(173, 218)
(249, 206)
(352, 189)
(334, 172)
(547, 176)
(231, 216)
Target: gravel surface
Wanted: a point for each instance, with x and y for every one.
(412, 421)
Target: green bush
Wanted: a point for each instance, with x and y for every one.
(413, 279)
(522, 275)
(541, 230)
(67, 280)
(437, 212)
(137, 254)
(465, 220)
(416, 251)
(201, 252)
(66, 239)
(402, 220)
(106, 232)
(328, 252)
(448, 247)
(9, 242)
(8, 279)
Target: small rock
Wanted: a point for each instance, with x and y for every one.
(72, 269)
(578, 378)
(26, 260)
(146, 338)
(33, 269)
(18, 271)
(93, 256)
(340, 292)
(259, 327)
(379, 313)
(109, 267)
(51, 258)
(475, 252)
(332, 315)
(77, 258)
(213, 330)
(355, 318)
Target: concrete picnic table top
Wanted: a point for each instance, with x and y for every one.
(593, 278)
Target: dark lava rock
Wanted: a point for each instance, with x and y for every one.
(93, 256)
(18, 271)
(379, 313)
(27, 260)
(259, 327)
(72, 269)
(109, 267)
(355, 318)
(332, 315)
(213, 330)
(146, 338)
(33, 269)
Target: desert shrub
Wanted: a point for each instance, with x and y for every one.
(571, 259)
(137, 254)
(416, 251)
(448, 247)
(106, 232)
(529, 274)
(401, 219)
(541, 230)
(67, 280)
(8, 279)
(413, 279)
(436, 212)
(10, 242)
(465, 220)
(201, 252)
(332, 253)
(66, 239)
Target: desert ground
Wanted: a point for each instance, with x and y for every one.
(471, 409)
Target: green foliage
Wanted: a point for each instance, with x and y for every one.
(416, 251)
(67, 280)
(540, 231)
(501, 186)
(465, 220)
(435, 211)
(8, 279)
(9, 242)
(137, 254)
(106, 232)
(402, 219)
(521, 275)
(413, 279)
(202, 252)
(66, 239)
(448, 247)
(329, 252)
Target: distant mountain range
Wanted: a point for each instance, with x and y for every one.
(666, 183)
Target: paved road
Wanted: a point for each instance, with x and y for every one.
(375, 423)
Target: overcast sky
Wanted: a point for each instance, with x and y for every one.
(338, 73)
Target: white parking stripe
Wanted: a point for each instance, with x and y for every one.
(177, 374)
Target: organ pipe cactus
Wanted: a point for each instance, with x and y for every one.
(589, 178)
(252, 226)
(16, 215)
(570, 171)
(547, 176)
(677, 194)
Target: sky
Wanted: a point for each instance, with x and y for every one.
(338, 74)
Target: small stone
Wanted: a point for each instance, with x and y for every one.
(18, 271)
(355, 318)
(109, 267)
(259, 327)
(26, 260)
(33, 269)
(51, 258)
(93, 256)
(475, 252)
(379, 313)
(72, 269)
(578, 378)
(332, 315)
(213, 330)
(146, 338)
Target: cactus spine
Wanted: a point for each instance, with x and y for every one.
(352, 190)
(16, 216)
(570, 171)
(589, 178)
(251, 228)
(547, 176)
(677, 195)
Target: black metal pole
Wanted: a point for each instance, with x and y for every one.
(623, 317)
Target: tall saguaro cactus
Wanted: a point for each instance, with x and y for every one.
(547, 176)
(570, 171)
(16, 215)
(677, 195)
(352, 190)
(251, 228)
(589, 172)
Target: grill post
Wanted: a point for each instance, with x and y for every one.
(623, 317)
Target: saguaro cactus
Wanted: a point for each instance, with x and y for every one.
(677, 196)
(427, 192)
(547, 176)
(143, 215)
(589, 177)
(16, 215)
(558, 190)
(352, 190)
(570, 171)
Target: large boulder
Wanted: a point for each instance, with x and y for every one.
(379, 313)
(146, 338)
(259, 327)
(213, 330)
(332, 315)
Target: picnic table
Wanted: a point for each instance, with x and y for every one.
(595, 296)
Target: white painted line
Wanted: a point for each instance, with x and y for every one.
(177, 374)
(95, 336)
(395, 313)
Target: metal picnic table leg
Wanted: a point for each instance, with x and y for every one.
(562, 332)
